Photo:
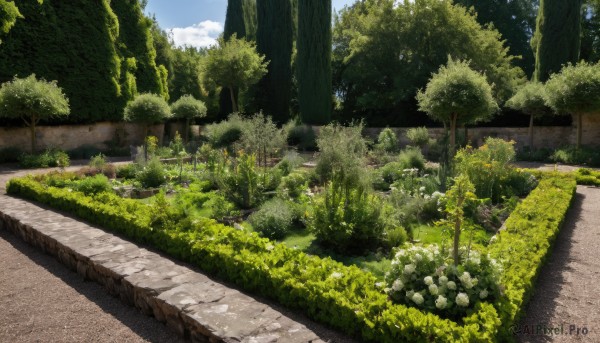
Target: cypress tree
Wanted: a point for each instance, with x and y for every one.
(73, 42)
(234, 19)
(250, 18)
(558, 36)
(313, 63)
(274, 39)
(135, 41)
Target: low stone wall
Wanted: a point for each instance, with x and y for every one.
(69, 137)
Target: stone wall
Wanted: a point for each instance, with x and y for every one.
(68, 137)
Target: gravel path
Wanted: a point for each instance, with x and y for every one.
(566, 303)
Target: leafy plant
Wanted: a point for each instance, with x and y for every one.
(49, 158)
(303, 137)
(242, 183)
(147, 109)
(93, 185)
(273, 220)
(225, 133)
(411, 157)
(387, 140)
(188, 108)
(151, 175)
(418, 136)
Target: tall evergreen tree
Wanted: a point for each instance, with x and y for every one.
(274, 39)
(314, 61)
(135, 41)
(558, 36)
(73, 42)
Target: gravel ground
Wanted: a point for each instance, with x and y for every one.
(566, 303)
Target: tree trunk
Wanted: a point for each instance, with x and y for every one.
(531, 133)
(452, 136)
(455, 253)
(579, 129)
(146, 142)
(186, 136)
(233, 103)
(32, 129)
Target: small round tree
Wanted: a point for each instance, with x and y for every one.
(455, 95)
(147, 109)
(32, 100)
(188, 108)
(234, 64)
(575, 90)
(531, 100)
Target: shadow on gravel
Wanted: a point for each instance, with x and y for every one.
(128, 316)
(543, 303)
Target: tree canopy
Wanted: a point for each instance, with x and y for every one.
(188, 107)
(531, 99)
(9, 13)
(147, 108)
(32, 100)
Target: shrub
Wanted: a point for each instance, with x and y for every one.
(289, 162)
(572, 155)
(303, 137)
(10, 154)
(392, 172)
(84, 152)
(152, 175)
(273, 220)
(225, 133)
(49, 158)
(425, 278)
(93, 185)
(292, 186)
(418, 137)
(242, 183)
(261, 137)
(97, 162)
(387, 141)
(411, 158)
(221, 208)
(127, 171)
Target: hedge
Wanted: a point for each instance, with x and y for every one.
(351, 303)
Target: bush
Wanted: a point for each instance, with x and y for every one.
(292, 186)
(225, 133)
(582, 156)
(418, 137)
(221, 208)
(289, 162)
(535, 155)
(152, 175)
(10, 154)
(387, 141)
(49, 158)
(93, 185)
(303, 137)
(127, 171)
(84, 152)
(273, 220)
(410, 158)
(392, 172)
(242, 184)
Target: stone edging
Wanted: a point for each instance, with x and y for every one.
(190, 303)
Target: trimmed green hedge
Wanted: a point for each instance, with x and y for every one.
(351, 303)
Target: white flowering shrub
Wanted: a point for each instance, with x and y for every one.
(424, 277)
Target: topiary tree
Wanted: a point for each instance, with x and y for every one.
(531, 100)
(234, 64)
(457, 94)
(147, 109)
(575, 90)
(32, 100)
(188, 108)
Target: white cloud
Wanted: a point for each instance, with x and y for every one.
(198, 35)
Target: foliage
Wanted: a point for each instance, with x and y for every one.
(289, 162)
(151, 175)
(588, 177)
(418, 136)
(242, 184)
(187, 107)
(10, 154)
(313, 61)
(557, 36)
(262, 137)
(234, 64)
(147, 109)
(9, 13)
(571, 155)
(346, 298)
(274, 40)
(385, 50)
(273, 220)
(423, 277)
(293, 186)
(222, 208)
(93, 185)
(60, 40)
(32, 100)
(302, 136)
(226, 132)
(410, 158)
(48, 158)
(530, 99)
(457, 94)
(387, 141)
(127, 171)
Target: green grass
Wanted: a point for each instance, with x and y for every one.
(427, 234)
(301, 240)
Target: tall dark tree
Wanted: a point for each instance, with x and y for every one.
(590, 35)
(313, 63)
(73, 42)
(515, 20)
(558, 36)
(274, 39)
(135, 41)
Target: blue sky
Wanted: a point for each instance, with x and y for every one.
(197, 22)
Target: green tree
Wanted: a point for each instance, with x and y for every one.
(457, 94)
(9, 13)
(313, 64)
(384, 53)
(188, 108)
(234, 64)
(32, 99)
(73, 42)
(147, 109)
(531, 100)
(557, 37)
(575, 90)
(135, 41)
(274, 39)
(590, 31)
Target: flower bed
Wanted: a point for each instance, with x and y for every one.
(344, 297)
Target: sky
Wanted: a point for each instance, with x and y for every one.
(198, 22)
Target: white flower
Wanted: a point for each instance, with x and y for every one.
(422, 189)
(475, 281)
(270, 247)
(465, 277)
(418, 298)
(441, 302)
(400, 253)
(397, 285)
(462, 299)
(410, 294)
(379, 284)
(433, 289)
(336, 275)
(418, 257)
(483, 294)
(409, 268)
(451, 285)
(443, 280)
(428, 280)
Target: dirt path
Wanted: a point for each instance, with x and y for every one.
(566, 303)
